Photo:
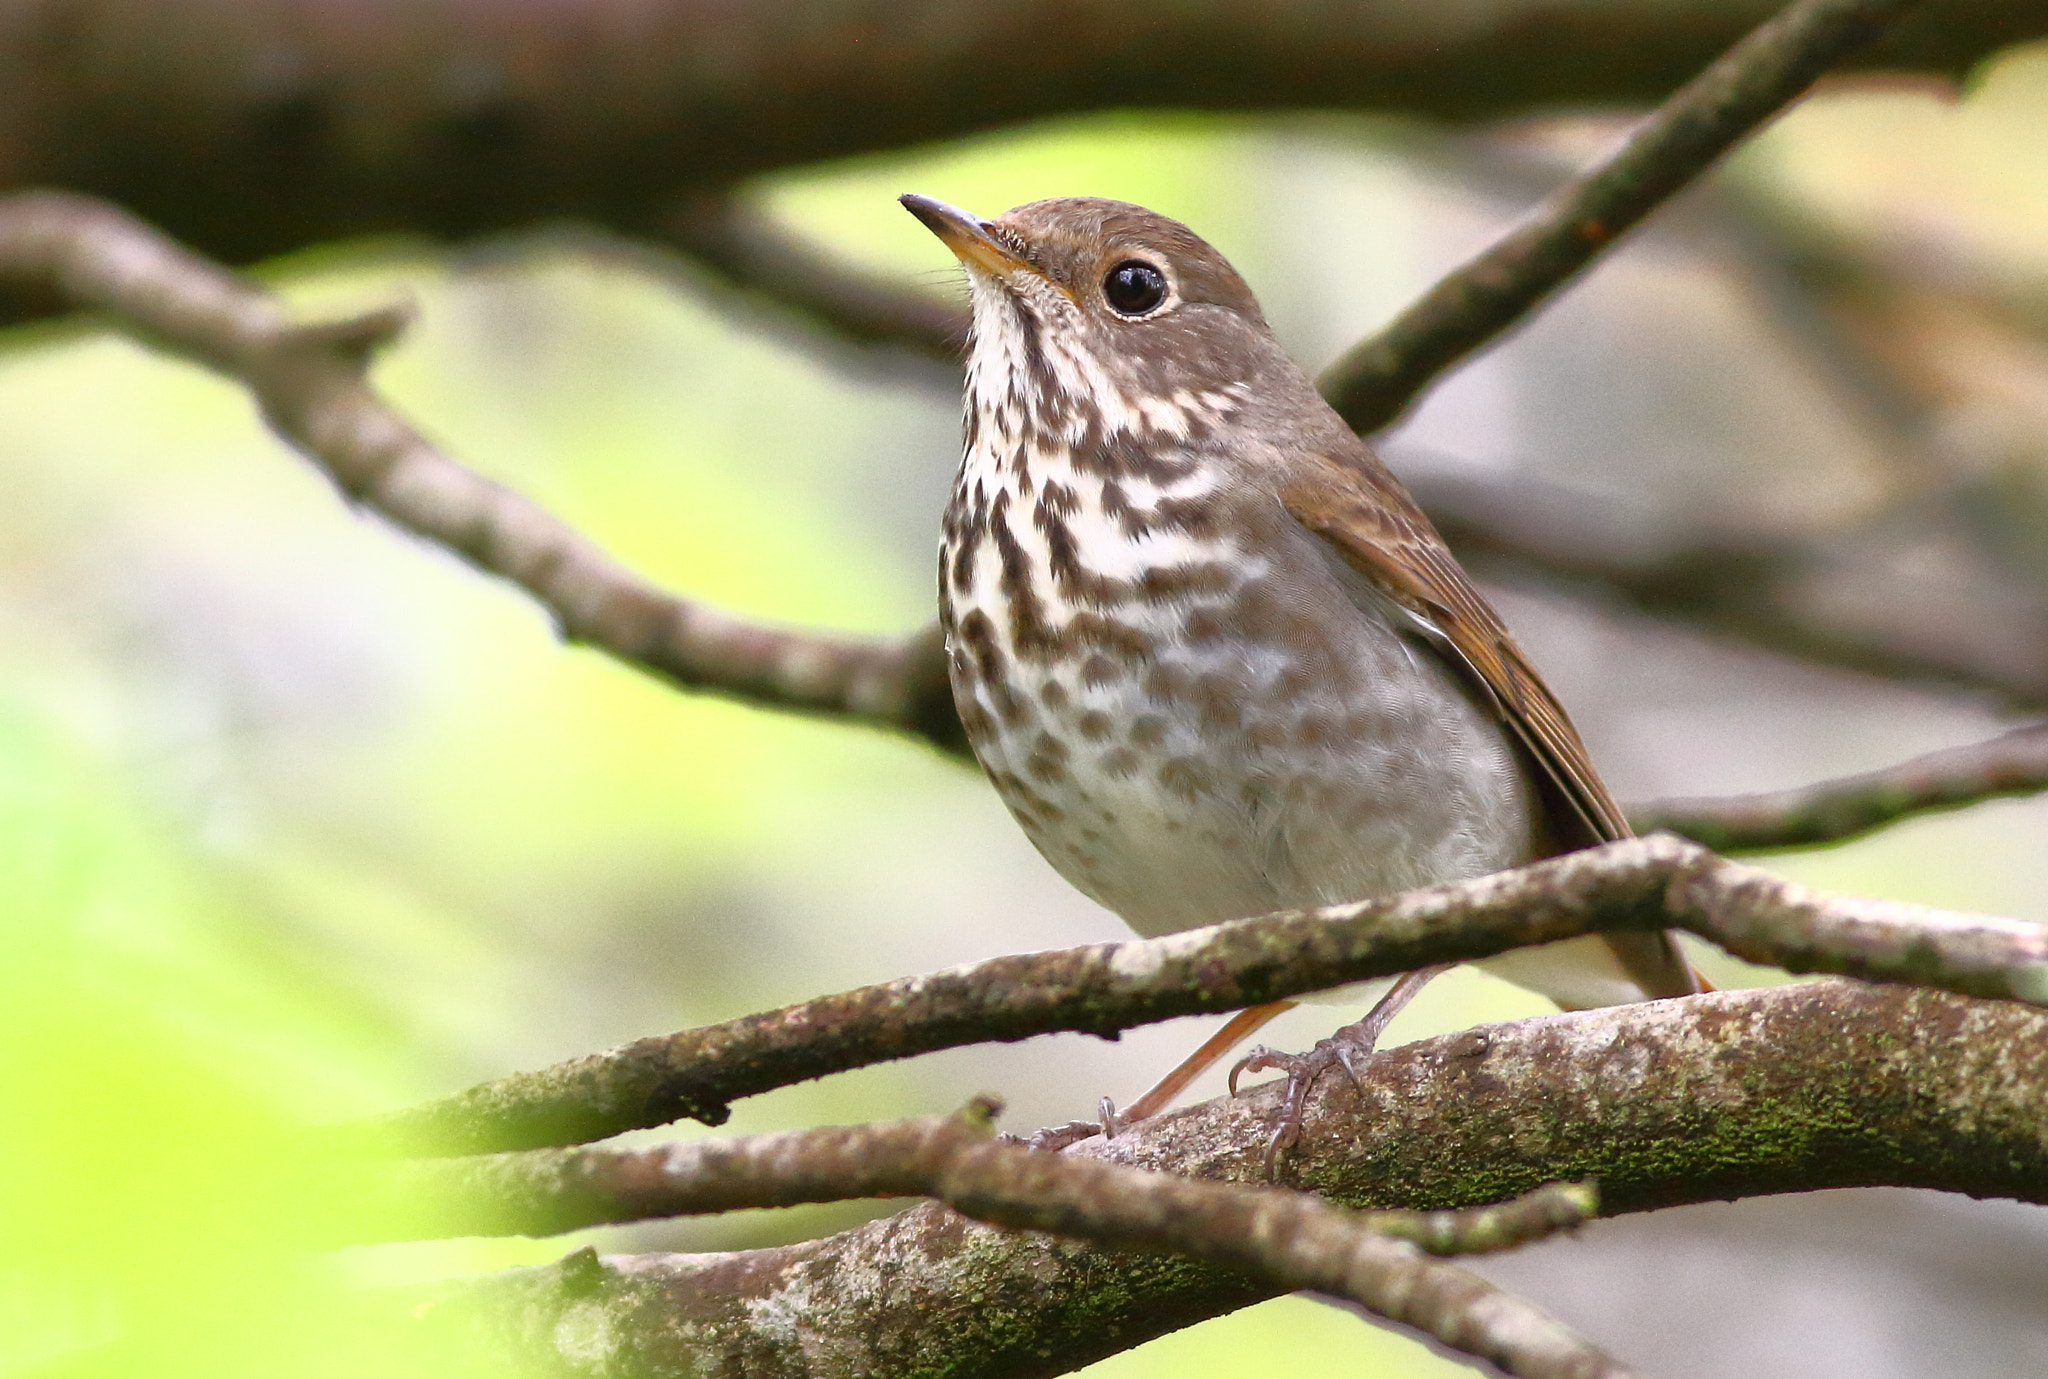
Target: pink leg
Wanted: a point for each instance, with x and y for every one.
(1240, 1028)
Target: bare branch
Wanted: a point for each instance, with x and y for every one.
(1732, 1094)
(309, 382)
(1374, 382)
(1288, 1240)
(268, 125)
(953, 1158)
(2014, 763)
(1644, 883)
(756, 255)
(1751, 591)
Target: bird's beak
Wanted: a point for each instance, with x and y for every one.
(967, 235)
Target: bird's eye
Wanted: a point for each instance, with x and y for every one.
(1134, 288)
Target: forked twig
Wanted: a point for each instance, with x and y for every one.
(1375, 381)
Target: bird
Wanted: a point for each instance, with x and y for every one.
(1210, 652)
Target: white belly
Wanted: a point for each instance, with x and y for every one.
(1258, 744)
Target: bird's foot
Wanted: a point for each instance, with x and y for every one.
(1057, 1137)
(1348, 1049)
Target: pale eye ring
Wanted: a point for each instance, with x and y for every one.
(1134, 288)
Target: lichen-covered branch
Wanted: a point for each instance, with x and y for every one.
(1644, 883)
(1731, 1094)
(953, 1158)
(1287, 1240)
(309, 381)
(1375, 381)
(1832, 811)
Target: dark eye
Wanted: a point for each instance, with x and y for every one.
(1134, 287)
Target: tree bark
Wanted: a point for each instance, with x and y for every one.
(1728, 1095)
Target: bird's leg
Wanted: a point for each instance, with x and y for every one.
(1347, 1048)
(1240, 1027)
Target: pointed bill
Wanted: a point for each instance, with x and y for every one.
(967, 235)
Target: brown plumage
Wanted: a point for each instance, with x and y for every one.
(1210, 652)
(1351, 501)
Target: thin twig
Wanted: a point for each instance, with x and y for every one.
(549, 1191)
(1644, 883)
(1733, 1094)
(1833, 811)
(760, 256)
(1755, 591)
(1290, 1240)
(309, 381)
(1375, 382)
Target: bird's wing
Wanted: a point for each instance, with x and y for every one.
(1372, 524)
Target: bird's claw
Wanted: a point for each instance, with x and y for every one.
(1344, 1049)
(1055, 1138)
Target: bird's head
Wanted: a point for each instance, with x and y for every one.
(1085, 300)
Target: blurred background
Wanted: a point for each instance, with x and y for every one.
(301, 820)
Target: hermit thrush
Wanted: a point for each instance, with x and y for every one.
(1210, 652)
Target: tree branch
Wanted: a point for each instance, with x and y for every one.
(1374, 382)
(953, 1158)
(1644, 883)
(83, 254)
(2014, 763)
(1732, 1094)
(757, 256)
(264, 126)
(1287, 1240)
(309, 382)
(1748, 590)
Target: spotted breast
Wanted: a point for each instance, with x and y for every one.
(1185, 704)
(1212, 656)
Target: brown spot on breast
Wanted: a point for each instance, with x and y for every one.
(1118, 763)
(1094, 725)
(1030, 633)
(989, 668)
(1105, 634)
(975, 720)
(1167, 682)
(1123, 456)
(1116, 505)
(1185, 778)
(1359, 726)
(1219, 703)
(966, 523)
(1056, 503)
(1201, 625)
(1167, 583)
(1048, 759)
(1024, 801)
(1195, 516)
(1098, 670)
